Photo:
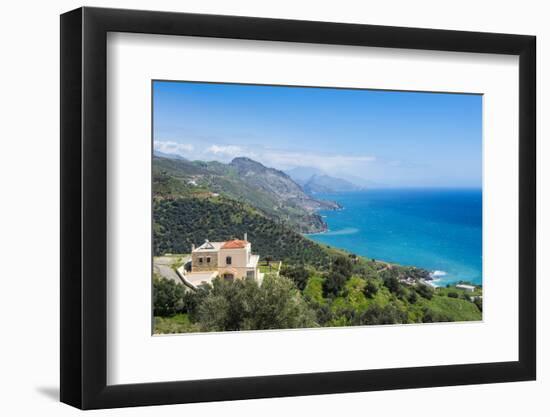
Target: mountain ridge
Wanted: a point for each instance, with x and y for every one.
(329, 184)
(269, 190)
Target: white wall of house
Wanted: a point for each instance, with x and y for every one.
(241, 262)
(239, 257)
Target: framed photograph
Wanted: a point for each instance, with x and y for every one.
(258, 208)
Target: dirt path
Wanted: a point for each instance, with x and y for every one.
(162, 265)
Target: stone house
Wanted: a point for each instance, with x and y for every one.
(230, 260)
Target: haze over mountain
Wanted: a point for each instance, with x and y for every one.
(365, 183)
(168, 155)
(303, 174)
(328, 184)
(314, 180)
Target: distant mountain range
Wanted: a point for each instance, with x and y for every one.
(277, 183)
(314, 181)
(169, 155)
(269, 190)
(303, 174)
(311, 180)
(328, 184)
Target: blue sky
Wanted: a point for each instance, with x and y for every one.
(385, 138)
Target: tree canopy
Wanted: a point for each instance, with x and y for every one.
(244, 305)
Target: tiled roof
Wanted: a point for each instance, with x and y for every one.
(235, 244)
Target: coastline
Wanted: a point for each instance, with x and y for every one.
(431, 280)
(438, 278)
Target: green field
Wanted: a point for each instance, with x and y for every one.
(178, 323)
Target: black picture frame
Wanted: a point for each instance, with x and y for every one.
(84, 207)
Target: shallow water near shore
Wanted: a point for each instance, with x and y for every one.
(436, 229)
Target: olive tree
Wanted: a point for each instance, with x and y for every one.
(245, 305)
(167, 297)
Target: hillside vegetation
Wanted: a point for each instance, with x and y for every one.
(344, 294)
(180, 222)
(270, 191)
(317, 286)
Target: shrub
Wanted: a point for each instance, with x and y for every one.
(430, 316)
(334, 284)
(371, 289)
(340, 271)
(412, 297)
(299, 274)
(343, 266)
(425, 291)
(313, 292)
(389, 314)
(323, 314)
(479, 303)
(391, 283)
(167, 297)
(193, 299)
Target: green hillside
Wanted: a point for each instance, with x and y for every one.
(317, 285)
(341, 294)
(180, 222)
(270, 191)
(332, 287)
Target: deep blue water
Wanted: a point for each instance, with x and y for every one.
(436, 229)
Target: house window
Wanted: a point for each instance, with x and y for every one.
(200, 260)
(228, 260)
(228, 277)
(208, 259)
(250, 274)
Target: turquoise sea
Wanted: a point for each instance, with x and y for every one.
(436, 229)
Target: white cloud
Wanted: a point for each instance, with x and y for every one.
(291, 159)
(175, 148)
(271, 157)
(231, 151)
